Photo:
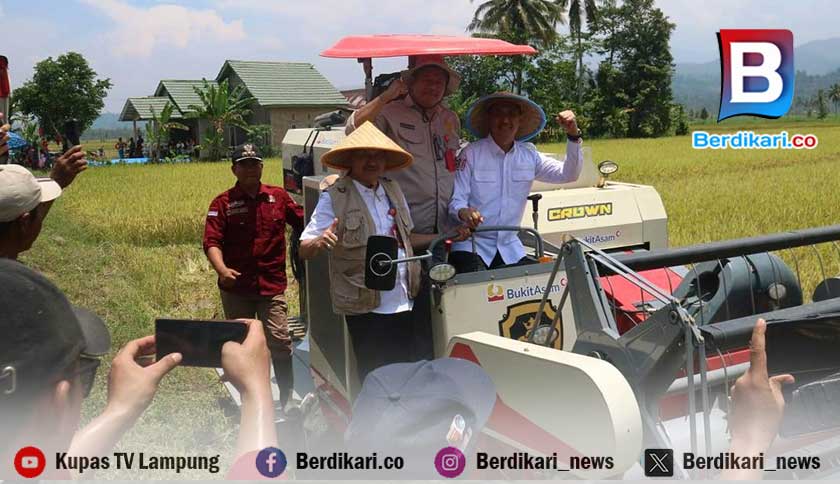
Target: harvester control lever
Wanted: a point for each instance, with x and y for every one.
(535, 205)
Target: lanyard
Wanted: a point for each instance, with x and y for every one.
(392, 211)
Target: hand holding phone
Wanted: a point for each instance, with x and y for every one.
(72, 132)
(199, 341)
(246, 364)
(135, 376)
(757, 404)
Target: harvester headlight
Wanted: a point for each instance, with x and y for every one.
(442, 272)
(607, 167)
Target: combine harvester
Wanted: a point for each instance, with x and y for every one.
(612, 344)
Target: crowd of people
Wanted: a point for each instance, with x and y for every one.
(132, 149)
(140, 149)
(51, 349)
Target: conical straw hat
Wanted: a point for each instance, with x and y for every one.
(530, 125)
(367, 137)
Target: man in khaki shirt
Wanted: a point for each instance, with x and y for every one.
(410, 113)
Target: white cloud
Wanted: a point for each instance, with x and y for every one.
(140, 32)
(323, 22)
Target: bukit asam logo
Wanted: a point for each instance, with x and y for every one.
(495, 293)
(757, 72)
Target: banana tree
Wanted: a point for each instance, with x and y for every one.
(222, 106)
(157, 131)
(29, 131)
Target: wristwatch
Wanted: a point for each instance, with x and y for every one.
(574, 137)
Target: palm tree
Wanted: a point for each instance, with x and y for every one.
(834, 95)
(522, 21)
(526, 20)
(222, 106)
(157, 130)
(575, 28)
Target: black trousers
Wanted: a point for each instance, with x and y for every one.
(380, 339)
(464, 261)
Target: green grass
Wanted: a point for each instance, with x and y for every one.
(125, 241)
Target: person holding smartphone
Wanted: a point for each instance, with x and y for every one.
(49, 356)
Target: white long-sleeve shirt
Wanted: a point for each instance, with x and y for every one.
(497, 184)
(396, 300)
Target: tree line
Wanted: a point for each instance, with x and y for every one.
(628, 93)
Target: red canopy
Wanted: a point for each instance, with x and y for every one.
(398, 45)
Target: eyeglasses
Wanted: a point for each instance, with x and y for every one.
(86, 370)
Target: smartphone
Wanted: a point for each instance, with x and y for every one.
(72, 132)
(809, 350)
(199, 341)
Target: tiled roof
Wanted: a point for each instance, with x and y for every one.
(284, 83)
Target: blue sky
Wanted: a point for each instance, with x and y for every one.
(138, 42)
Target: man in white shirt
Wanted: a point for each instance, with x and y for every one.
(495, 175)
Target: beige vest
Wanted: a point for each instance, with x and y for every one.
(347, 259)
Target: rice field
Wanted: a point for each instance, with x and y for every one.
(125, 241)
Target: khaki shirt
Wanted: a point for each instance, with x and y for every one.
(427, 183)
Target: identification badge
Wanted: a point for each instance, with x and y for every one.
(236, 211)
(451, 161)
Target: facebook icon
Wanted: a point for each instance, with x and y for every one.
(271, 462)
(756, 72)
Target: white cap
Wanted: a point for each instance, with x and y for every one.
(20, 191)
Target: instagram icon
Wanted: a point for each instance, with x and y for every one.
(450, 462)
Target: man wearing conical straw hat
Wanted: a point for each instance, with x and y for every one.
(359, 204)
(495, 175)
